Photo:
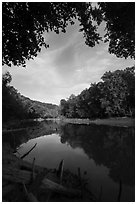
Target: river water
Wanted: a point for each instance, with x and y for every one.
(105, 155)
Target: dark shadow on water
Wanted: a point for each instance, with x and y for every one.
(112, 147)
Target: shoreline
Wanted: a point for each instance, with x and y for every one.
(19, 175)
(119, 121)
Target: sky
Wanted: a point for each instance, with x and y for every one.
(67, 67)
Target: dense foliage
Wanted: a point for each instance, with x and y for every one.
(113, 96)
(120, 27)
(17, 106)
(24, 23)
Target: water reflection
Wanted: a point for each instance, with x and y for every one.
(112, 147)
(28, 130)
(106, 153)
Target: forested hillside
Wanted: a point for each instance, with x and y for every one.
(17, 106)
(113, 96)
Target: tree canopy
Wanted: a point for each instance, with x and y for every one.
(23, 25)
(120, 27)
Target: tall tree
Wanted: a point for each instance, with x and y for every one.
(118, 92)
(63, 107)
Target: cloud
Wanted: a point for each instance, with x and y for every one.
(65, 61)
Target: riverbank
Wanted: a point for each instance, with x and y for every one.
(23, 181)
(104, 138)
(119, 121)
(22, 125)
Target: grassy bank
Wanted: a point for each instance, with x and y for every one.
(121, 122)
(118, 121)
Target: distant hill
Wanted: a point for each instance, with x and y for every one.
(17, 106)
(41, 109)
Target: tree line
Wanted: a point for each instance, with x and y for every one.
(17, 106)
(113, 96)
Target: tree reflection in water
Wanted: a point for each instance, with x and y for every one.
(28, 130)
(112, 147)
(109, 147)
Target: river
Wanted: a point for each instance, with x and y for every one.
(105, 154)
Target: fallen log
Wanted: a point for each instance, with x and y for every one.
(20, 176)
(16, 175)
(28, 152)
(50, 185)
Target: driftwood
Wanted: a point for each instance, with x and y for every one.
(16, 175)
(50, 185)
(20, 176)
(28, 151)
(16, 171)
